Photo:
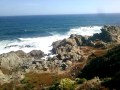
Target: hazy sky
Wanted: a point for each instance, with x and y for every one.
(43, 7)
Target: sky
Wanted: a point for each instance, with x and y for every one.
(53, 7)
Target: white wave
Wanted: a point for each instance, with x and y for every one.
(88, 31)
(29, 44)
(43, 43)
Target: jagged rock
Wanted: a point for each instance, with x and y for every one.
(21, 54)
(80, 40)
(55, 45)
(36, 54)
(68, 49)
(108, 34)
(10, 61)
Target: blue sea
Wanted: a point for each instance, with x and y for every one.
(39, 32)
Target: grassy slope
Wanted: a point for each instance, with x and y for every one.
(105, 66)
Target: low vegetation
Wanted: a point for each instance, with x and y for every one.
(104, 67)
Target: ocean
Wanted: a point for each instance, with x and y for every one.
(29, 33)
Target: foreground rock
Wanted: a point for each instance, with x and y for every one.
(17, 62)
(10, 61)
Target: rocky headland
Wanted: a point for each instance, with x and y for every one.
(69, 57)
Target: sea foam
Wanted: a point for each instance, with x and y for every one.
(44, 43)
(88, 31)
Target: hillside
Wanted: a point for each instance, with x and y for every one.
(107, 66)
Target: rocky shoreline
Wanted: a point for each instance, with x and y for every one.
(67, 53)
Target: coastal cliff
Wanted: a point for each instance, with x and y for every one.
(71, 55)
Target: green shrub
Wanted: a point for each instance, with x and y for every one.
(67, 84)
(27, 84)
(63, 84)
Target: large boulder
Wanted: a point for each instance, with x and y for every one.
(36, 54)
(10, 60)
(21, 54)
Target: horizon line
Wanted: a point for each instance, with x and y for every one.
(56, 14)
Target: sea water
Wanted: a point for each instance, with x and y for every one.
(29, 33)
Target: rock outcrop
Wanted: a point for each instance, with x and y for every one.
(10, 60)
(21, 54)
(69, 49)
(36, 54)
(108, 34)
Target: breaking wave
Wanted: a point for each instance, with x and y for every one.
(44, 43)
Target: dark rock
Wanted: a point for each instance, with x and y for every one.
(11, 46)
(28, 46)
(108, 34)
(64, 66)
(55, 45)
(80, 40)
